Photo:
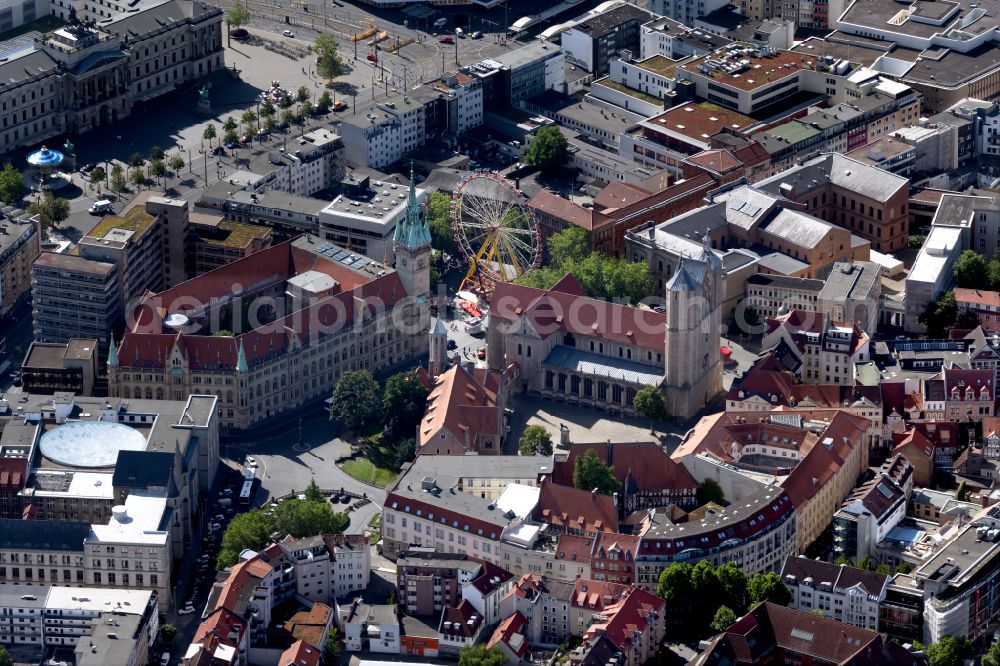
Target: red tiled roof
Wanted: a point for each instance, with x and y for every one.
(551, 311)
(13, 474)
(597, 595)
(462, 620)
(913, 443)
(564, 210)
(576, 509)
(716, 159)
(513, 625)
(221, 627)
(618, 195)
(300, 653)
(629, 615)
(574, 548)
(962, 379)
(977, 297)
(649, 465)
(627, 544)
(491, 578)
(463, 406)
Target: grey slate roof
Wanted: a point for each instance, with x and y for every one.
(160, 16)
(43, 534)
(600, 365)
(864, 179)
(27, 66)
(143, 469)
(799, 228)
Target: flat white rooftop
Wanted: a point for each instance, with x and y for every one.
(100, 599)
(518, 499)
(89, 485)
(940, 248)
(139, 525)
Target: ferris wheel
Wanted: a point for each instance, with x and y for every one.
(495, 231)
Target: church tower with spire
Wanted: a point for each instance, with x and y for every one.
(412, 246)
(693, 373)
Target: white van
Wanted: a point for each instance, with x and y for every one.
(459, 33)
(98, 207)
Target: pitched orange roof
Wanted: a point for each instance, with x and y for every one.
(300, 653)
(461, 405)
(576, 509)
(507, 632)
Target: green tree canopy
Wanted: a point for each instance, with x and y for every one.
(246, 530)
(674, 587)
(648, 401)
(535, 441)
(118, 182)
(249, 119)
(735, 587)
(992, 656)
(571, 245)
(288, 116)
(302, 94)
(313, 493)
(51, 209)
(710, 491)
(138, 178)
(769, 587)
(331, 648)
(305, 109)
(176, 162)
(238, 16)
(949, 651)
(156, 153)
(267, 108)
(302, 518)
(599, 275)
(136, 160)
(11, 184)
(230, 124)
(209, 133)
(157, 168)
(231, 136)
(904, 568)
(357, 399)
(706, 592)
(970, 271)
(97, 175)
(549, 150)
(439, 222)
(723, 618)
(940, 315)
(5, 659)
(962, 494)
(167, 633)
(328, 63)
(590, 473)
(480, 655)
(404, 401)
(324, 102)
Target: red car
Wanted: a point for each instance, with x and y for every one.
(446, 40)
(371, 57)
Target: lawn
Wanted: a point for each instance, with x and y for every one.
(363, 470)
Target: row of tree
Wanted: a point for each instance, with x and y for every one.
(388, 417)
(712, 598)
(611, 278)
(298, 517)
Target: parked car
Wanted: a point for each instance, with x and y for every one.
(287, 33)
(187, 610)
(251, 461)
(226, 493)
(447, 39)
(340, 105)
(219, 150)
(477, 35)
(164, 659)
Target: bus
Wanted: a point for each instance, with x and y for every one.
(246, 493)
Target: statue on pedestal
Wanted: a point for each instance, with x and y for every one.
(204, 107)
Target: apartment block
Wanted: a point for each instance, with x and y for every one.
(74, 297)
(19, 247)
(55, 367)
(839, 592)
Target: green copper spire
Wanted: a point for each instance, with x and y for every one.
(112, 353)
(241, 360)
(412, 231)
